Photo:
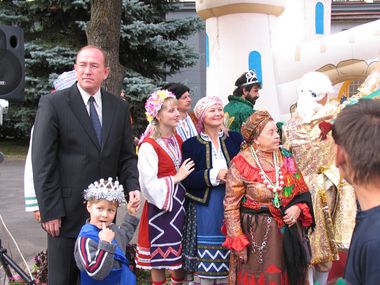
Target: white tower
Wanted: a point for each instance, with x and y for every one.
(238, 35)
(281, 40)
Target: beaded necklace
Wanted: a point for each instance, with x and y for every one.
(274, 187)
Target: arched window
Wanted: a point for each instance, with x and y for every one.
(254, 63)
(319, 18)
(207, 52)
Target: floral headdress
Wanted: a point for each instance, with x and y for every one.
(154, 103)
(107, 190)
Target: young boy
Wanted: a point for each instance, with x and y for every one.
(356, 133)
(100, 248)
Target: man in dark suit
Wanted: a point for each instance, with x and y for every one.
(78, 140)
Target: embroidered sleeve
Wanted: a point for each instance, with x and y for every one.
(96, 259)
(235, 191)
(157, 191)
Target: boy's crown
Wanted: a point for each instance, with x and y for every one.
(107, 190)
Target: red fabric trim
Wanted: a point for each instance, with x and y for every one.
(305, 216)
(143, 237)
(246, 169)
(169, 251)
(236, 243)
(159, 282)
(273, 269)
(264, 277)
(142, 258)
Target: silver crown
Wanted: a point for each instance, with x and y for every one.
(107, 190)
(251, 78)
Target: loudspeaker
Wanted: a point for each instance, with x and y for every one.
(12, 64)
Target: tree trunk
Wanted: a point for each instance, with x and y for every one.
(103, 30)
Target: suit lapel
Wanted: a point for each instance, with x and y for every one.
(77, 106)
(108, 114)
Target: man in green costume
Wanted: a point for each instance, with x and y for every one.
(241, 102)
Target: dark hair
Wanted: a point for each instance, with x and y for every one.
(239, 85)
(176, 88)
(357, 130)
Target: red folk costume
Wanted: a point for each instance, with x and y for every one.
(159, 241)
(253, 214)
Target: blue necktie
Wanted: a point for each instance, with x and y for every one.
(95, 120)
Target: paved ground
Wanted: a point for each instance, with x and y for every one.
(27, 232)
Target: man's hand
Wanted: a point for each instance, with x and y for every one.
(52, 227)
(134, 196)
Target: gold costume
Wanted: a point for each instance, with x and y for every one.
(334, 202)
(370, 85)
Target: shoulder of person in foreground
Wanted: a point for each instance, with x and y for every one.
(371, 261)
(363, 264)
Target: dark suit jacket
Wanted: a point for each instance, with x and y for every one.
(67, 157)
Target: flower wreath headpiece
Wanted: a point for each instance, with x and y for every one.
(105, 189)
(154, 103)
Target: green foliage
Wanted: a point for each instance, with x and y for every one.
(150, 49)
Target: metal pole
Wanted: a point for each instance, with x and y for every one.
(6, 261)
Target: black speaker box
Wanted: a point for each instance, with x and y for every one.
(12, 64)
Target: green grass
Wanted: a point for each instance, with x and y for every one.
(14, 149)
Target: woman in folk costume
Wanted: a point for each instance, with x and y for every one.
(267, 210)
(307, 135)
(159, 245)
(212, 151)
